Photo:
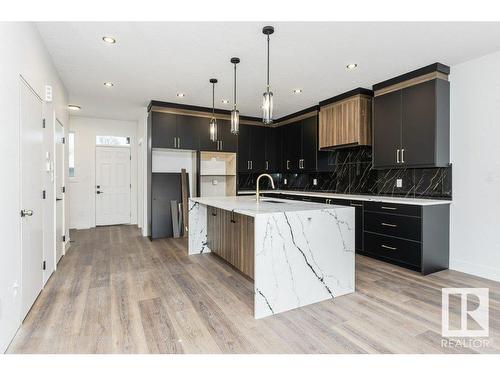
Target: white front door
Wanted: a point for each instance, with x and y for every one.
(31, 196)
(112, 185)
(59, 179)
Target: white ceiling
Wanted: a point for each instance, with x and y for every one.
(157, 60)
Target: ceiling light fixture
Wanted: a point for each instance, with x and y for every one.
(181, 95)
(109, 39)
(351, 66)
(213, 120)
(109, 84)
(235, 114)
(74, 107)
(267, 98)
(297, 91)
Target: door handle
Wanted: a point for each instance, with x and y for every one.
(98, 192)
(397, 156)
(26, 213)
(402, 155)
(58, 199)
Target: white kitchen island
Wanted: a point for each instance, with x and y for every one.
(303, 252)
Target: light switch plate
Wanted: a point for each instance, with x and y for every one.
(399, 182)
(215, 182)
(284, 181)
(315, 181)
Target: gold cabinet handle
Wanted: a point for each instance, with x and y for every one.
(388, 208)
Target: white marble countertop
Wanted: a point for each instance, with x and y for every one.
(373, 198)
(248, 205)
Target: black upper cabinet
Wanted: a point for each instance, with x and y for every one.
(188, 130)
(387, 129)
(309, 143)
(164, 130)
(204, 134)
(300, 142)
(273, 150)
(258, 148)
(412, 126)
(244, 148)
(227, 140)
(292, 145)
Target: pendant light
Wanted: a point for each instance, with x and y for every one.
(267, 99)
(235, 114)
(213, 120)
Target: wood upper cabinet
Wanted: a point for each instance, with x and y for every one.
(346, 122)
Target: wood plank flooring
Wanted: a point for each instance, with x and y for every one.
(117, 292)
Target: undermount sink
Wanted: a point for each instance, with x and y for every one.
(271, 201)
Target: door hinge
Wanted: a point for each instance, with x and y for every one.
(63, 140)
(130, 157)
(64, 238)
(44, 266)
(63, 189)
(131, 186)
(44, 195)
(43, 123)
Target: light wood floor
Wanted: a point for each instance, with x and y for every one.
(116, 292)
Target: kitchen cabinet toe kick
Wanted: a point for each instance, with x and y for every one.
(295, 258)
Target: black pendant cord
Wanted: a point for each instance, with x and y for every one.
(213, 99)
(234, 86)
(268, 63)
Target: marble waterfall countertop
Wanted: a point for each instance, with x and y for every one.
(372, 198)
(303, 252)
(249, 206)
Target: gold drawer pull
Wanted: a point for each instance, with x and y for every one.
(388, 247)
(389, 208)
(389, 225)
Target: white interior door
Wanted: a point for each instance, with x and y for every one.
(59, 179)
(31, 196)
(112, 185)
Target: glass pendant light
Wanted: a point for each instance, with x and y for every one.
(213, 120)
(267, 99)
(235, 114)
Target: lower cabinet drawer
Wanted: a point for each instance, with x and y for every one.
(394, 225)
(404, 251)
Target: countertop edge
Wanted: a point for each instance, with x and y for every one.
(368, 198)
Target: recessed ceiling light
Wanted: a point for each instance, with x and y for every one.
(181, 95)
(109, 84)
(352, 66)
(225, 101)
(109, 39)
(74, 107)
(297, 91)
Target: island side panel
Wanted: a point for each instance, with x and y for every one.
(302, 257)
(197, 243)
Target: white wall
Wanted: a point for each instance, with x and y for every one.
(21, 53)
(475, 134)
(82, 186)
(142, 199)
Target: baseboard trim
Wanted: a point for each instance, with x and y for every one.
(480, 270)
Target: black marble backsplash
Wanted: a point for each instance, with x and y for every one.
(349, 171)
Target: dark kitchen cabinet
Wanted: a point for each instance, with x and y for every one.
(412, 126)
(309, 143)
(206, 144)
(227, 141)
(164, 130)
(175, 131)
(300, 144)
(292, 145)
(273, 150)
(251, 148)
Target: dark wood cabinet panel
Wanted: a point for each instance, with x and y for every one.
(188, 130)
(206, 144)
(244, 148)
(164, 130)
(273, 150)
(258, 148)
(400, 251)
(407, 227)
(227, 141)
(387, 129)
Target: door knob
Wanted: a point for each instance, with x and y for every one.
(98, 192)
(26, 213)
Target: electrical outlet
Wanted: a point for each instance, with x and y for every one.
(315, 181)
(215, 182)
(284, 181)
(399, 182)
